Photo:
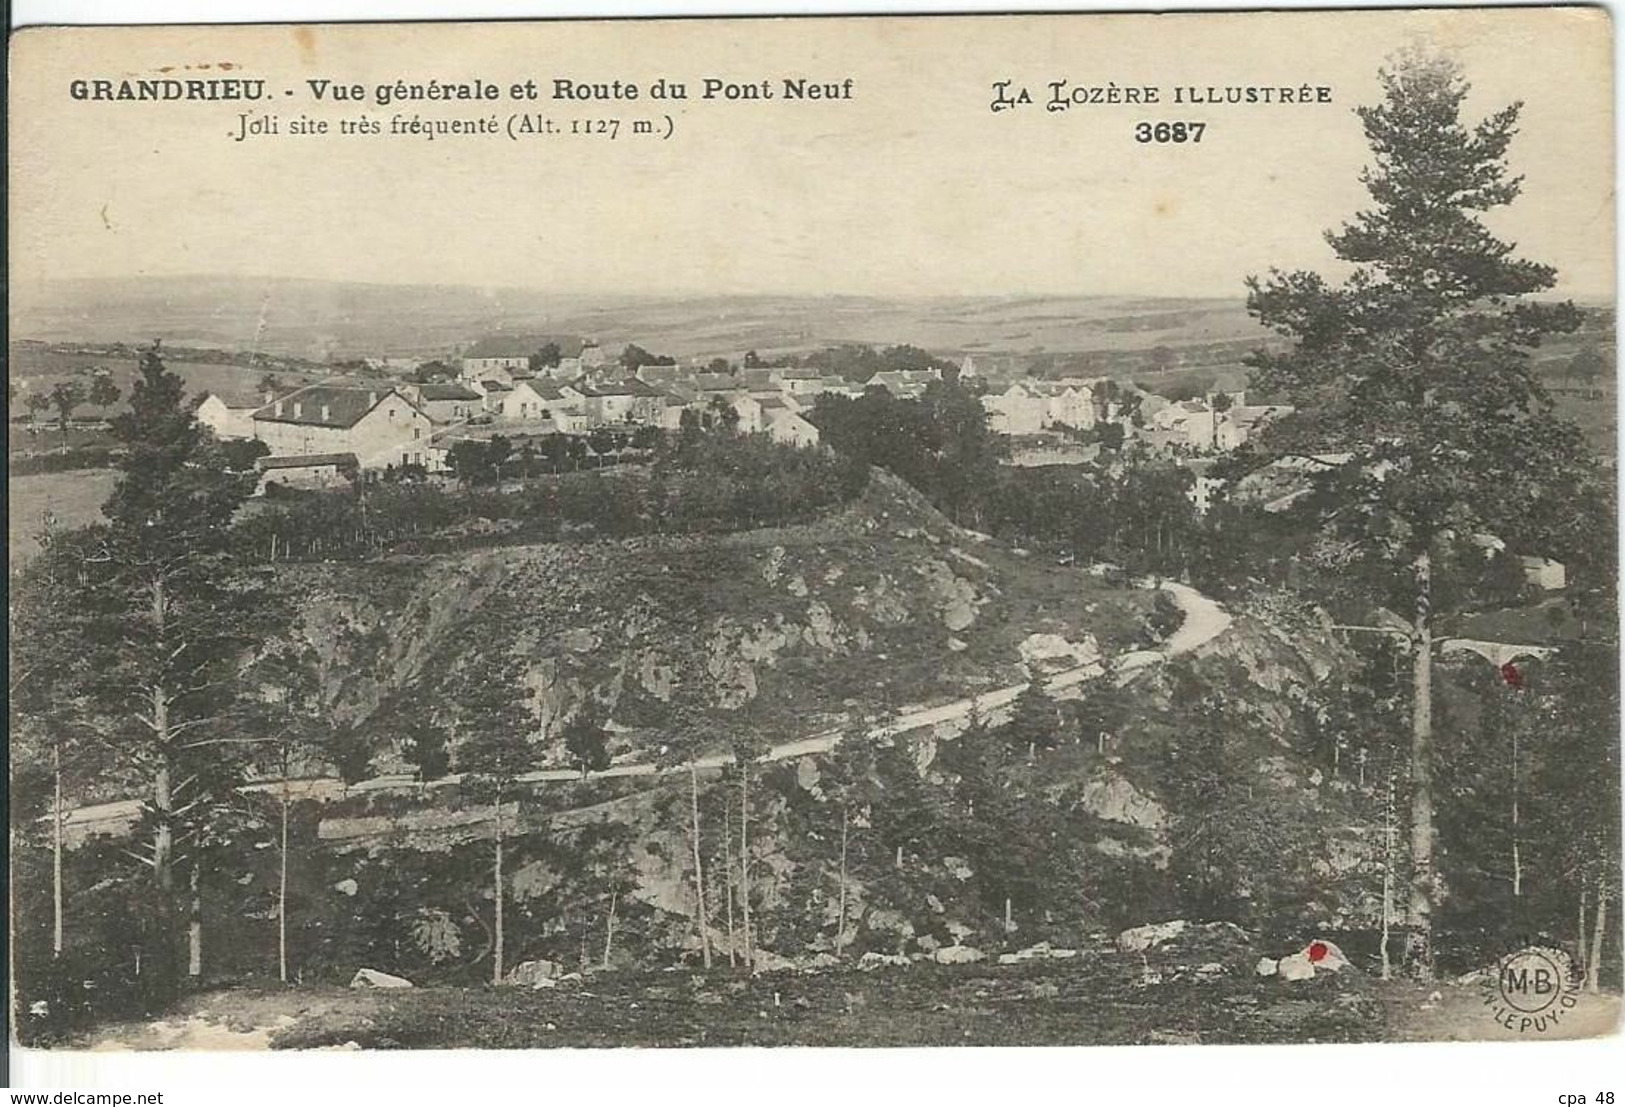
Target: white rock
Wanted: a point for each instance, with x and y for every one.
(768, 961)
(957, 955)
(1265, 967)
(528, 973)
(544, 982)
(1062, 954)
(1331, 958)
(1140, 938)
(372, 978)
(348, 887)
(1295, 967)
(872, 960)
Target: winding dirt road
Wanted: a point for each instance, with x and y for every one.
(1204, 621)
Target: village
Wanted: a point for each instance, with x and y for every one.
(407, 414)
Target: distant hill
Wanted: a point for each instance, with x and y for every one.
(326, 320)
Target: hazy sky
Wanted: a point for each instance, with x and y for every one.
(912, 187)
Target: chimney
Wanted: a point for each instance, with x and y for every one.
(298, 409)
(279, 407)
(268, 397)
(372, 399)
(325, 413)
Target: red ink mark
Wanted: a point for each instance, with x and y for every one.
(1317, 951)
(1510, 674)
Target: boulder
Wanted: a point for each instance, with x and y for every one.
(1039, 952)
(1295, 967)
(957, 955)
(1325, 956)
(768, 961)
(1318, 956)
(872, 960)
(526, 974)
(1265, 967)
(1138, 939)
(822, 961)
(372, 978)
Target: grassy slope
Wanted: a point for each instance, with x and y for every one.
(74, 499)
(794, 628)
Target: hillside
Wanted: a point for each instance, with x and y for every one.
(873, 624)
(783, 631)
(325, 320)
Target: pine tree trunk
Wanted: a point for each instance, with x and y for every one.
(1420, 945)
(496, 872)
(702, 919)
(163, 805)
(1388, 874)
(56, 853)
(194, 925)
(282, 884)
(609, 927)
(1580, 930)
(1599, 927)
(744, 862)
(1517, 857)
(728, 877)
(840, 917)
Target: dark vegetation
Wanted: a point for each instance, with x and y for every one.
(154, 657)
(733, 483)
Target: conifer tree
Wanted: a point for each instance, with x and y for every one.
(167, 619)
(494, 722)
(1417, 367)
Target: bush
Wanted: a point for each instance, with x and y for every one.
(78, 457)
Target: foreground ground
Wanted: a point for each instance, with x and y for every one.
(1049, 1004)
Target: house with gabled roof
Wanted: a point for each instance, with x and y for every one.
(627, 400)
(230, 416)
(499, 356)
(445, 403)
(376, 423)
(1019, 409)
(310, 471)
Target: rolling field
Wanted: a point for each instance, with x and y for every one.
(318, 319)
(35, 369)
(73, 499)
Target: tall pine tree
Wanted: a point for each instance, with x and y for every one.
(494, 723)
(1417, 367)
(168, 620)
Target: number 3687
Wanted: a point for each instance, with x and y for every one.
(1169, 132)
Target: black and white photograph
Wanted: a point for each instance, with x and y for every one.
(869, 532)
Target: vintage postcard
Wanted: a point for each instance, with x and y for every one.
(842, 531)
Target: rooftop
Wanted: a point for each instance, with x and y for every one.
(307, 461)
(327, 405)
